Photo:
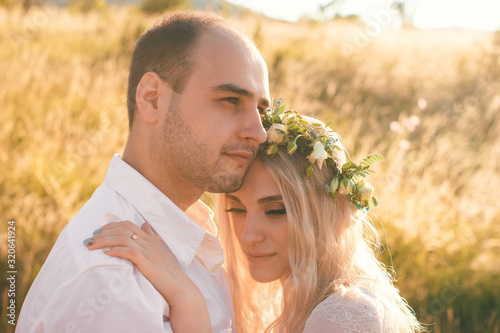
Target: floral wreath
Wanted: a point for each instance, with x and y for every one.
(318, 142)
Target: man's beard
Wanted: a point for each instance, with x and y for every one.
(178, 148)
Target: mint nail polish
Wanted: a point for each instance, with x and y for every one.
(87, 242)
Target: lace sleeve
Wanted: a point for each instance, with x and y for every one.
(345, 314)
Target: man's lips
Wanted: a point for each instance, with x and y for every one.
(241, 156)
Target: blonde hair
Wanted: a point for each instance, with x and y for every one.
(329, 250)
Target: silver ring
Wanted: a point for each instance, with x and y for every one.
(134, 236)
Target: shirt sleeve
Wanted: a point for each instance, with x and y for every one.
(106, 299)
(341, 315)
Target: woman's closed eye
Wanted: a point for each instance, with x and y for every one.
(236, 210)
(276, 212)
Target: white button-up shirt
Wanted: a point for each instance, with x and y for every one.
(78, 290)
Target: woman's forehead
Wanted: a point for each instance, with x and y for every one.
(258, 184)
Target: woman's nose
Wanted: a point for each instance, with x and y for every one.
(253, 232)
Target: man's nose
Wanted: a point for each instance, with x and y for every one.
(252, 128)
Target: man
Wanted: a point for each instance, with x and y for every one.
(196, 91)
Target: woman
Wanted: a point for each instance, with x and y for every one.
(296, 241)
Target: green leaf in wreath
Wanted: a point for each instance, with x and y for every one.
(309, 170)
(280, 109)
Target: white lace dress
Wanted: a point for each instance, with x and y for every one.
(355, 310)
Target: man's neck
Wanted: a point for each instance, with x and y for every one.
(182, 193)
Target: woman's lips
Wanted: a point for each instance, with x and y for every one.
(259, 258)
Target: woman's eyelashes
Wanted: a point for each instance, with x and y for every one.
(272, 212)
(276, 212)
(236, 211)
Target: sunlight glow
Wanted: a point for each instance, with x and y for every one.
(427, 14)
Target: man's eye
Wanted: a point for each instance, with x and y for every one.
(232, 100)
(276, 212)
(235, 211)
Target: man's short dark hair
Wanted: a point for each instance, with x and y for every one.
(166, 50)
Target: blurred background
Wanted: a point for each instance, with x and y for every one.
(416, 81)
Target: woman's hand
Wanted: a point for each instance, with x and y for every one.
(149, 254)
(152, 257)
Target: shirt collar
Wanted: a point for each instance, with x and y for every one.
(182, 235)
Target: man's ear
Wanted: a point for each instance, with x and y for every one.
(148, 96)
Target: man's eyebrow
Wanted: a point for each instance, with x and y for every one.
(270, 199)
(232, 88)
(232, 197)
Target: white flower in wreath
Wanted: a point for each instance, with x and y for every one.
(365, 189)
(318, 154)
(346, 186)
(276, 133)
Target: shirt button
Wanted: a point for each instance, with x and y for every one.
(211, 241)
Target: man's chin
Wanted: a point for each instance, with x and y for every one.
(225, 184)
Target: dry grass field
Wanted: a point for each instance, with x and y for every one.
(429, 101)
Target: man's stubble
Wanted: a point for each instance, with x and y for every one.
(179, 149)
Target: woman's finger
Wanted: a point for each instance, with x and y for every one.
(147, 229)
(154, 235)
(124, 228)
(119, 225)
(122, 252)
(111, 241)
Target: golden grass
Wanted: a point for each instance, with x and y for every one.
(63, 92)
